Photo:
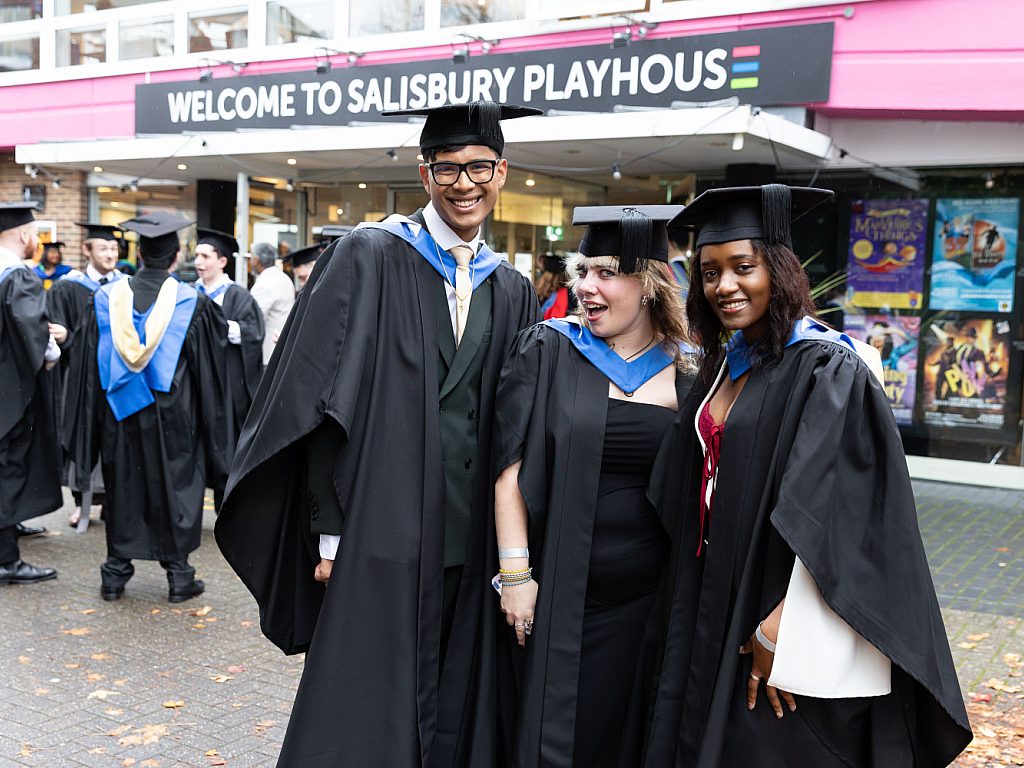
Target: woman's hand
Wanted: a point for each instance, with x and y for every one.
(59, 332)
(518, 604)
(761, 667)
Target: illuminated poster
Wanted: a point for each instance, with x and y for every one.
(896, 339)
(965, 371)
(887, 253)
(974, 255)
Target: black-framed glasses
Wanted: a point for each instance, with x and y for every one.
(478, 171)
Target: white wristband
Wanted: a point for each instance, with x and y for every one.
(517, 552)
(767, 644)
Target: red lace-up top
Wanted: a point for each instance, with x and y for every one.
(711, 433)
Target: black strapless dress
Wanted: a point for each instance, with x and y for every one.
(628, 552)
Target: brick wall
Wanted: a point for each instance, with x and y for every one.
(64, 205)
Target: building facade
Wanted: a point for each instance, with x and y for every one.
(262, 117)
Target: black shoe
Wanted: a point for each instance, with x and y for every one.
(20, 572)
(29, 530)
(111, 593)
(181, 594)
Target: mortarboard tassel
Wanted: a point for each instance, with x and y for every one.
(636, 235)
(487, 116)
(777, 214)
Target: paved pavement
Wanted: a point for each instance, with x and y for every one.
(142, 683)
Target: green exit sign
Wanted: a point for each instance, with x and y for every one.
(553, 233)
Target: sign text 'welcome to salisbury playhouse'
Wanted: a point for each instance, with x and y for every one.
(787, 65)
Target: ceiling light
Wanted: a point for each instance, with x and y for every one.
(97, 169)
(362, 185)
(393, 155)
(616, 171)
(288, 186)
(530, 181)
(56, 183)
(990, 179)
(291, 161)
(182, 167)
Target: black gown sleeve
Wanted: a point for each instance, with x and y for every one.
(23, 327)
(206, 347)
(246, 312)
(846, 508)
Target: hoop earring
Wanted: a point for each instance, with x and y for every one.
(643, 302)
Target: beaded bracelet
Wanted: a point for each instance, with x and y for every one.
(515, 578)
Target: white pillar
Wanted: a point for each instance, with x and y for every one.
(242, 229)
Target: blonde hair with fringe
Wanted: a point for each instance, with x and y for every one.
(658, 283)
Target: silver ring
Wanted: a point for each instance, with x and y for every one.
(755, 678)
(519, 626)
(528, 624)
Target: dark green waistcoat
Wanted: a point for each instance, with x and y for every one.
(459, 373)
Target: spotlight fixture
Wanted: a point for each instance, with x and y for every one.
(323, 67)
(56, 183)
(352, 56)
(289, 186)
(206, 75)
(622, 38)
(990, 179)
(460, 55)
(393, 155)
(616, 171)
(31, 171)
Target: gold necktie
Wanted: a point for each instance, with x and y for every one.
(463, 288)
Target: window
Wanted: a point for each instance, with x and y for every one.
(67, 7)
(81, 46)
(385, 16)
(142, 39)
(294, 21)
(13, 10)
(19, 54)
(218, 31)
(459, 12)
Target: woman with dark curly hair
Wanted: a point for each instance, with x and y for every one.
(584, 406)
(803, 627)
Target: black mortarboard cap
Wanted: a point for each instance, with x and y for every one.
(749, 213)
(226, 245)
(98, 231)
(305, 255)
(58, 244)
(632, 233)
(330, 231)
(15, 214)
(553, 263)
(158, 233)
(457, 125)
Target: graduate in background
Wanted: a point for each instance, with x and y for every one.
(302, 262)
(70, 306)
(244, 360)
(804, 627)
(584, 405)
(365, 463)
(51, 266)
(29, 453)
(157, 420)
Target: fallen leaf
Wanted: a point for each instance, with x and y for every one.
(262, 726)
(205, 610)
(211, 619)
(26, 750)
(245, 623)
(150, 763)
(72, 666)
(78, 631)
(980, 696)
(147, 734)
(24, 660)
(199, 625)
(87, 611)
(210, 753)
(41, 691)
(234, 669)
(978, 638)
(998, 685)
(101, 657)
(93, 677)
(154, 611)
(102, 694)
(121, 683)
(984, 730)
(113, 711)
(1002, 549)
(128, 762)
(218, 761)
(221, 678)
(967, 646)
(1012, 660)
(98, 751)
(174, 704)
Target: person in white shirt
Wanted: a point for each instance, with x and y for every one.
(274, 292)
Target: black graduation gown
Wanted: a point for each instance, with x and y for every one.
(158, 461)
(29, 454)
(554, 406)
(361, 348)
(70, 303)
(811, 464)
(244, 362)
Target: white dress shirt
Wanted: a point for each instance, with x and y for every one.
(446, 239)
(274, 293)
(234, 330)
(94, 274)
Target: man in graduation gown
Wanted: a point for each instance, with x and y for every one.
(244, 358)
(70, 306)
(29, 458)
(157, 420)
(364, 460)
(302, 262)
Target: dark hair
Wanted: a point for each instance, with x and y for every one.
(789, 300)
(431, 154)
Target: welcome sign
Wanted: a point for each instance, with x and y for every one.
(776, 66)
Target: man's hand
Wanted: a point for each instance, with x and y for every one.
(323, 571)
(59, 332)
